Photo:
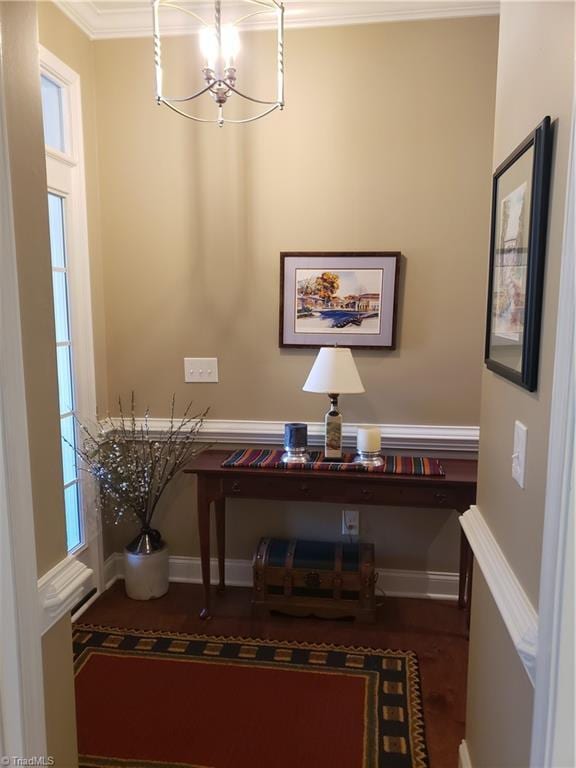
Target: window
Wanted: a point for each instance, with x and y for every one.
(61, 108)
(64, 352)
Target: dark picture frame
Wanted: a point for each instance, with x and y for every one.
(348, 299)
(518, 230)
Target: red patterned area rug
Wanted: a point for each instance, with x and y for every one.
(191, 701)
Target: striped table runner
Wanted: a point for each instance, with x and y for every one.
(253, 458)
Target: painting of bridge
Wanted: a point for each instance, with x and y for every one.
(338, 301)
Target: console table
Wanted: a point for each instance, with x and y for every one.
(455, 490)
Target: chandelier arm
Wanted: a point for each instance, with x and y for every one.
(249, 98)
(188, 98)
(223, 122)
(272, 4)
(251, 15)
(184, 114)
(184, 10)
(256, 117)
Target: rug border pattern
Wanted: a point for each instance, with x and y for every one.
(416, 731)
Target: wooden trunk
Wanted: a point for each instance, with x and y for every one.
(315, 578)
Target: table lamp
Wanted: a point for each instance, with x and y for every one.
(333, 373)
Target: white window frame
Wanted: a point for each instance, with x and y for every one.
(66, 178)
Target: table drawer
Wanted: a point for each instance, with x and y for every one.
(411, 496)
(374, 492)
(317, 489)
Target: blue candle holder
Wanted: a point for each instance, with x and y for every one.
(295, 443)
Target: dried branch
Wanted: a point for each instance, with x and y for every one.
(134, 466)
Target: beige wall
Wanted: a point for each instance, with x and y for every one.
(21, 89)
(389, 149)
(194, 218)
(529, 87)
(66, 41)
(28, 174)
(535, 78)
(59, 684)
(500, 694)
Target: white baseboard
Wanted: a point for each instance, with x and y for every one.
(113, 569)
(517, 611)
(433, 585)
(464, 756)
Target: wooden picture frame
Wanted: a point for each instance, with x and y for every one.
(347, 299)
(520, 194)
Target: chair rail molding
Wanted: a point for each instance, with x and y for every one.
(464, 760)
(517, 611)
(418, 437)
(61, 588)
(434, 585)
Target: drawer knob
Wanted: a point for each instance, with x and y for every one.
(366, 492)
(236, 486)
(441, 498)
(304, 488)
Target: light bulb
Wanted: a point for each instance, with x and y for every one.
(230, 44)
(209, 46)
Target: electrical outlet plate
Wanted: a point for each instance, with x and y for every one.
(200, 369)
(519, 455)
(350, 522)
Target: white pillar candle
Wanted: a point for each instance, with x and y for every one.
(368, 440)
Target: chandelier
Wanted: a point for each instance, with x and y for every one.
(219, 44)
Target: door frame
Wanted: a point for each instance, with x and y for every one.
(557, 570)
(22, 715)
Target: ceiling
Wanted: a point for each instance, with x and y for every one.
(102, 19)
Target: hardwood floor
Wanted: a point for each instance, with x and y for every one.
(435, 630)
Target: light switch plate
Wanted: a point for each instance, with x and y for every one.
(200, 369)
(519, 455)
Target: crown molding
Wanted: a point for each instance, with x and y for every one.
(106, 19)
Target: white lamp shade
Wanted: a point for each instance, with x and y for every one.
(334, 372)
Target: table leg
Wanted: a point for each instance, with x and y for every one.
(220, 506)
(204, 534)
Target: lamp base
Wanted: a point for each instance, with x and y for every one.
(333, 433)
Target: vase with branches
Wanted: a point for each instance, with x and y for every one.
(133, 465)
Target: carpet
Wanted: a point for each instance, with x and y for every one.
(192, 701)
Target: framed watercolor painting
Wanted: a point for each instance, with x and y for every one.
(520, 192)
(349, 299)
